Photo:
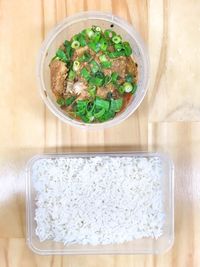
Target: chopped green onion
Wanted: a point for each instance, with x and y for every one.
(103, 44)
(96, 81)
(118, 47)
(94, 46)
(99, 113)
(134, 88)
(116, 39)
(89, 32)
(127, 49)
(76, 65)
(102, 103)
(94, 66)
(103, 58)
(81, 107)
(116, 54)
(121, 89)
(107, 116)
(69, 100)
(71, 75)
(127, 87)
(61, 101)
(82, 40)
(106, 64)
(85, 57)
(85, 73)
(69, 50)
(75, 44)
(109, 34)
(98, 29)
(61, 55)
(92, 90)
(129, 78)
(108, 79)
(116, 104)
(114, 76)
(96, 37)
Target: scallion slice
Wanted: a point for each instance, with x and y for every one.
(76, 65)
(85, 73)
(75, 44)
(116, 39)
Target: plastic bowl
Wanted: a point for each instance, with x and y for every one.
(136, 246)
(65, 30)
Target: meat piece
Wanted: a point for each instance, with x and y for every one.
(79, 87)
(107, 71)
(58, 70)
(79, 52)
(119, 66)
(131, 67)
(83, 95)
(75, 88)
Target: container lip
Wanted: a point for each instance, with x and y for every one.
(32, 160)
(106, 16)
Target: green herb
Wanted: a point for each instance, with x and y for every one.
(102, 103)
(96, 81)
(103, 44)
(116, 104)
(118, 47)
(94, 46)
(69, 100)
(76, 65)
(116, 54)
(75, 44)
(109, 34)
(114, 76)
(89, 32)
(127, 87)
(134, 88)
(82, 40)
(61, 55)
(71, 75)
(107, 80)
(127, 49)
(99, 114)
(94, 66)
(61, 101)
(129, 78)
(69, 50)
(96, 37)
(92, 90)
(107, 116)
(85, 73)
(103, 58)
(98, 29)
(85, 57)
(81, 107)
(116, 39)
(106, 64)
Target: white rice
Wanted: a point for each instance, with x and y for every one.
(98, 200)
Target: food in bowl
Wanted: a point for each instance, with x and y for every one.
(94, 75)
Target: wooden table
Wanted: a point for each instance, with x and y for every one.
(168, 119)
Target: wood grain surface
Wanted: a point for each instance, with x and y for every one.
(168, 119)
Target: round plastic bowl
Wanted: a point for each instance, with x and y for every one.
(65, 30)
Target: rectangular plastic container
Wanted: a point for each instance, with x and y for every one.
(137, 246)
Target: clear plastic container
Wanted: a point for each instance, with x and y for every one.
(65, 30)
(136, 246)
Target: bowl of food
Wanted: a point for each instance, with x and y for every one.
(93, 70)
